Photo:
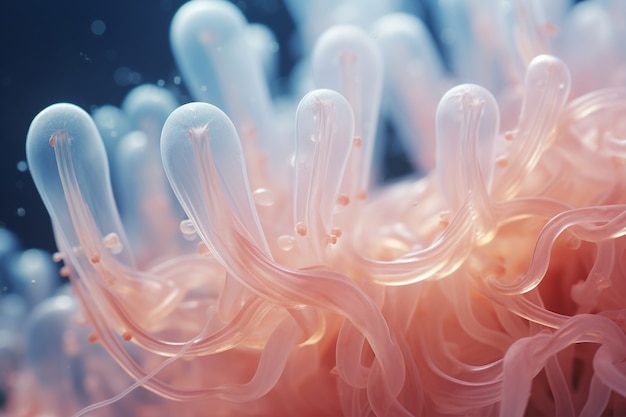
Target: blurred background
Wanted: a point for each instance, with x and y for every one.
(92, 53)
(89, 53)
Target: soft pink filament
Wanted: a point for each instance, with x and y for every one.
(494, 285)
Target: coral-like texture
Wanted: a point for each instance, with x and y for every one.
(277, 277)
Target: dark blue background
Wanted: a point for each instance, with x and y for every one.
(49, 54)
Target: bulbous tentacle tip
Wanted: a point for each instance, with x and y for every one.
(467, 122)
(56, 123)
(219, 65)
(408, 50)
(324, 139)
(48, 122)
(346, 59)
(204, 162)
(204, 36)
(546, 90)
(194, 18)
(147, 107)
(70, 169)
(548, 81)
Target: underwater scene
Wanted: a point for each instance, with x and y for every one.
(324, 208)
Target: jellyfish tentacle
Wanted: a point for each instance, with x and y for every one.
(546, 89)
(345, 59)
(324, 134)
(212, 188)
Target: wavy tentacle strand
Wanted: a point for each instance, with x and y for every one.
(79, 199)
(527, 356)
(324, 135)
(546, 88)
(214, 192)
(491, 282)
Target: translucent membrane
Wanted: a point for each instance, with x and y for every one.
(67, 371)
(546, 88)
(414, 83)
(589, 27)
(9, 242)
(147, 107)
(204, 162)
(32, 275)
(468, 120)
(150, 212)
(491, 283)
(313, 18)
(69, 166)
(324, 139)
(45, 352)
(71, 172)
(476, 38)
(265, 45)
(219, 66)
(345, 59)
(213, 189)
(538, 24)
(112, 124)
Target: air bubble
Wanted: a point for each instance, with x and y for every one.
(188, 229)
(112, 242)
(286, 242)
(263, 197)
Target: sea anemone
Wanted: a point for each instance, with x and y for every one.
(248, 273)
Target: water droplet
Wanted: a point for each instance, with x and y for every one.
(86, 57)
(187, 229)
(286, 242)
(98, 27)
(263, 197)
(112, 242)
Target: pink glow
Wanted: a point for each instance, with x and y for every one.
(299, 286)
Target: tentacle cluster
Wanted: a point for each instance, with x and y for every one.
(494, 284)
